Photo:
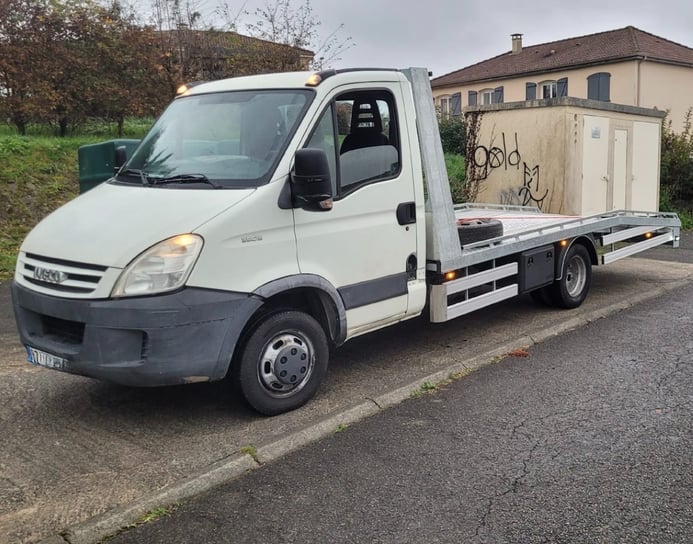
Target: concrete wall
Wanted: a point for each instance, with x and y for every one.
(568, 156)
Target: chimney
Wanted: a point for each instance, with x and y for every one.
(517, 43)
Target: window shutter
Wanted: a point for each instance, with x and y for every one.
(599, 86)
(593, 87)
(562, 87)
(456, 104)
(471, 98)
(498, 95)
(604, 86)
(530, 91)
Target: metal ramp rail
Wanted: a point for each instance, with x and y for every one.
(607, 229)
(500, 281)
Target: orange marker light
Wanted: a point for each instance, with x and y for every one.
(563, 243)
(449, 276)
(648, 235)
(314, 80)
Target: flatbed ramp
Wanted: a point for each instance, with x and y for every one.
(489, 271)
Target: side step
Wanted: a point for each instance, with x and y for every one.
(457, 297)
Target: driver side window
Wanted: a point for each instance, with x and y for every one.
(359, 133)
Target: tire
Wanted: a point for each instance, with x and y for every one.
(576, 277)
(475, 230)
(282, 363)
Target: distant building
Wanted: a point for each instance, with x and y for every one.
(215, 54)
(625, 66)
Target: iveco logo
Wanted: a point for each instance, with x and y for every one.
(49, 275)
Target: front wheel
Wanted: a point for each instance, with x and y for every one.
(571, 290)
(283, 362)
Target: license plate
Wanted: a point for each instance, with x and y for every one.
(41, 358)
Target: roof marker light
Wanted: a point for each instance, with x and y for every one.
(314, 80)
(184, 89)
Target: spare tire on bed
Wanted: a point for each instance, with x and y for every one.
(475, 230)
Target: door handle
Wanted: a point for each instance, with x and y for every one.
(406, 213)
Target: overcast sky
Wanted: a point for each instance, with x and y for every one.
(446, 35)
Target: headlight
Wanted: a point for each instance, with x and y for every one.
(163, 267)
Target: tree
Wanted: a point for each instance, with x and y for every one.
(129, 58)
(62, 61)
(676, 174)
(280, 21)
(19, 101)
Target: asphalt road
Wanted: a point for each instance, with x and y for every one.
(587, 439)
(86, 457)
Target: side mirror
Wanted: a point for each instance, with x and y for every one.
(310, 181)
(121, 157)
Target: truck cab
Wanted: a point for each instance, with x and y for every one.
(261, 221)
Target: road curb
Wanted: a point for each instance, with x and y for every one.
(98, 528)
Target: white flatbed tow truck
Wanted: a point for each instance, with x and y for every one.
(265, 219)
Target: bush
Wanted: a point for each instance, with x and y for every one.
(452, 135)
(676, 174)
(454, 164)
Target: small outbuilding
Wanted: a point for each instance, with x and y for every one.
(565, 155)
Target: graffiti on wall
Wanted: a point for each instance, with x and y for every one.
(486, 159)
(507, 156)
(530, 190)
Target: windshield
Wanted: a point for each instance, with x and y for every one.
(230, 139)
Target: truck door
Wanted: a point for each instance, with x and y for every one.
(366, 244)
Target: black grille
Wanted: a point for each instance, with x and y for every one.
(75, 264)
(70, 332)
(58, 287)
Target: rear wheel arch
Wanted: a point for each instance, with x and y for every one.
(586, 241)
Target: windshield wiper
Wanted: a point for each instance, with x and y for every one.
(184, 178)
(144, 178)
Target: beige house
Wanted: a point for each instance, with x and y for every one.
(625, 66)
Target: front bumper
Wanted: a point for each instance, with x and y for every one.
(168, 339)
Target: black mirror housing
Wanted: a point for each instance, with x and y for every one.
(310, 180)
(121, 157)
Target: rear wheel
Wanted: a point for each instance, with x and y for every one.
(283, 362)
(571, 290)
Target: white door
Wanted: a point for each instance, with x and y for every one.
(365, 245)
(595, 165)
(619, 175)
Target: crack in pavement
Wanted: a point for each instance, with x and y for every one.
(513, 488)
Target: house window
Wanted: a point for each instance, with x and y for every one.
(486, 96)
(491, 96)
(444, 106)
(599, 86)
(548, 89)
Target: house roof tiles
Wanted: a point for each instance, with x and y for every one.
(593, 49)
